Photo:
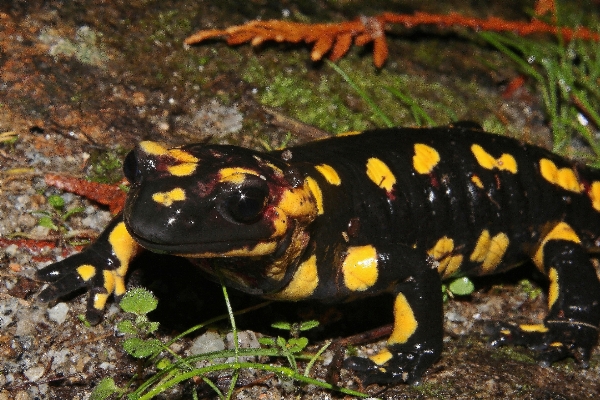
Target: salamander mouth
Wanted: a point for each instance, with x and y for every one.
(229, 248)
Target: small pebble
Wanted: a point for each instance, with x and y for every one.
(58, 313)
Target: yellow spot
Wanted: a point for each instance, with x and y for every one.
(314, 188)
(562, 231)
(541, 328)
(303, 283)
(481, 247)
(276, 170)
(168, 198)
(360, 268)
(594, 194)
(477, 181)
(100, 300)
(448, 264)
(379, 173)
(349, 133)
(279, 222)
(505, 162)
(425, 158)
(452, 266)
(329, 173)
(442, 248)
(124, 248)
(261, 249)
(109, 281)
(498, 246)
(86, 271)
(405, 323)
(276, 271)
(563, 177)
(120, 287)
(299, 202)
(382, 357)
(489, 250)
(182, 156)
(556, 344)
(153, 148)
(235, 175)
(184, 169)
(554, 287)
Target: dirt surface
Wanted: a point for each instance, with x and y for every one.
(82, 81)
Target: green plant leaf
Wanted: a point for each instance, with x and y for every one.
(296, 345)
(56, 201)
(152, 327)
(127, 327)
(47, 222)
(140, 348)
(461, 286)
(265, 341)
(138, 301)
(104, 390)
(282, 325)
(72, 211)
(306, 325)
(163, 363)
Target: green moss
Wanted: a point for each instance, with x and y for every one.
(533, 292)
(431, 390)
(85, 47)
(322, 98)
(317, 103)
(514, 353)
(105, 167)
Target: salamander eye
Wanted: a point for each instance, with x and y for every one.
(247, 204)
(131, 168)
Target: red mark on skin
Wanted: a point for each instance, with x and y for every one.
(391, 195)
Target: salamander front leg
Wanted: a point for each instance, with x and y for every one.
(101, 267)
(416, 340)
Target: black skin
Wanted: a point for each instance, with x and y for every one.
(223, 222)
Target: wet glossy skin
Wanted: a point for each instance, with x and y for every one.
(383, 211)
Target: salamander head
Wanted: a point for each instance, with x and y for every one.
(213, 201)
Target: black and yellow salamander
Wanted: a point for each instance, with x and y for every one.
(390, 210)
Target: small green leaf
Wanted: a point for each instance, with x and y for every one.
(138, 301)
(152, 327)
(47, 222)
(84, 320)
(266, 341)
(139, 348)
(461, 286)
(282, 325)
(75, 210)
(127, 327)
(296, 345)
(306, 325)
(281, 342)
(104, 390)
(162, 364)
(56, 202)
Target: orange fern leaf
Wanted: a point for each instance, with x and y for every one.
(335, 39)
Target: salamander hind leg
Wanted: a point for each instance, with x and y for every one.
(416, 340)
(100, 268)
(572, 324)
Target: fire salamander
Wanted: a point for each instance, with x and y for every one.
(339, 219)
